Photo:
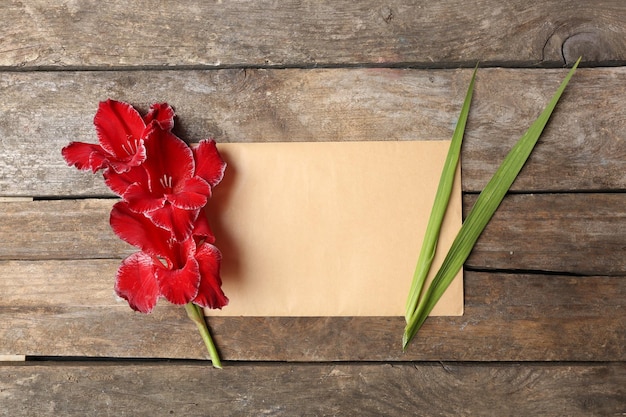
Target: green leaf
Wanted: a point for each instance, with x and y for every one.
(484, 208)
(442, 197)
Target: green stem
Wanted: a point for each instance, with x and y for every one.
(196, 315)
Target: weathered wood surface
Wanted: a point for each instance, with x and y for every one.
(546, 281)
(40, 112)
(61, 229)
(40, 34)
(578, 233)
(184, 389)
(582, 234)
(68, 308)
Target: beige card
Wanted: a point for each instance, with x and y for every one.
(328, 229)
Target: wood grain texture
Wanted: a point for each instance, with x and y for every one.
(544, 329)
(40, 112)
(38, 34)
(446, 389)
(61, 229)
(68, 308)
(565, 233)
(581, 234)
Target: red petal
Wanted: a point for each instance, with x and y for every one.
(119, 183)
(193, 195)
(125, 163)
(202, 228)
(169, 160)
(135, 282)
(179, 286)
(118, 126)
(141, 200)
(84, 156)
(209, 163)
(138, 230)
(179, 222)
(162, 113)
(210, 292)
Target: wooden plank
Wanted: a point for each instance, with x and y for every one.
(559, 233)
(507, 318)
(60, 229)
(584, 148)
(572, 233)
(566, 157)
(37, 34)
(68, 308)
(446, 389)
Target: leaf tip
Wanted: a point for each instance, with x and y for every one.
(406, 339)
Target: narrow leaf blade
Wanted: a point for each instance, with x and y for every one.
(442, 197)
(484, 208)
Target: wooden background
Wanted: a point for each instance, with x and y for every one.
(544, 332)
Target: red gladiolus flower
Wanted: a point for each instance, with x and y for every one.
(164, 185)
(121, 131)
(181, 272)
(175, 188)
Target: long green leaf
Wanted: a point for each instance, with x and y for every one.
(484, 208)
(442, 197)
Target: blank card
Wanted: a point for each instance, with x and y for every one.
(329, 229)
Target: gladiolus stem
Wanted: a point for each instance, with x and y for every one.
(195, 313)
